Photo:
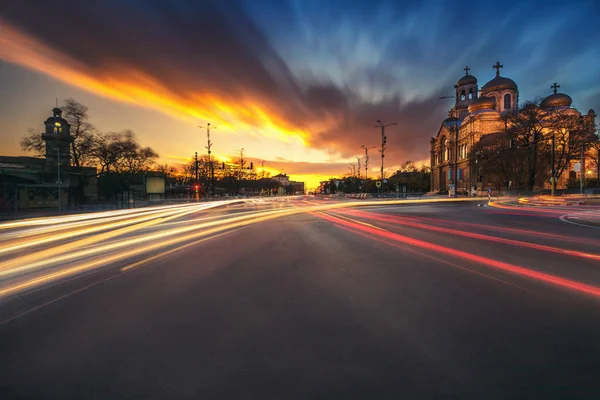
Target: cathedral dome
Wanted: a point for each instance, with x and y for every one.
(556, 100)
(467, 80)
(483, 103)
(499, 83)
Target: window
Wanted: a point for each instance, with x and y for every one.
(507, 101)
(462, 95)
(471, 94)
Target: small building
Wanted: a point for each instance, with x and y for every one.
(282, 179)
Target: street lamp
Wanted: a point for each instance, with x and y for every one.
(383, 142)
(58, 181)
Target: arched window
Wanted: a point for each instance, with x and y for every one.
(507, 101)
(462, 95)
(471, 94)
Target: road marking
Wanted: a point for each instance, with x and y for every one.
(565, 218)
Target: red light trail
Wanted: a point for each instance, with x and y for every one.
(404, 221)
(488, 262)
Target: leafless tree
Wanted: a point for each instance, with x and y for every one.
(32, 141)
(82, 131)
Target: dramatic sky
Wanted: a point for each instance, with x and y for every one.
(297, 83)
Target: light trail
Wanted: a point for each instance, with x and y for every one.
(69, 232)
(112, 241)
(487, 262)
(404, 221)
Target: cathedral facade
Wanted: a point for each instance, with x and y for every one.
(476, 115)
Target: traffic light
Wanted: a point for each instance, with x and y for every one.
(223, 165)
(251, 165)
(196, 188)
(511, 144)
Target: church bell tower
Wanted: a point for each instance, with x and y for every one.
(58, 140)
(466, 92)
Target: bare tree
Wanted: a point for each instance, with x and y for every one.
(82, 131)
(32, 141)
(525, 127)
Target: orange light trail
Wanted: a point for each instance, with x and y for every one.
(488, 262)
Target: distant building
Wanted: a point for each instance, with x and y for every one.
(282, 179)
(296, 187)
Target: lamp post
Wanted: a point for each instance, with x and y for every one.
(553, 172)
(58, 181)
(383, 144)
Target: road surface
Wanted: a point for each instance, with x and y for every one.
(301, 298)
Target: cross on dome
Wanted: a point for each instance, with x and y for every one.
(498, 66)
(555, 87)
(467, 69)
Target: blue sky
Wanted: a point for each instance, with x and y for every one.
(298, 82)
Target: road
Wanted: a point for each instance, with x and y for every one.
(301, 298)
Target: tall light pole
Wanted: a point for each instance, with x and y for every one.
(358, 163)
(383, 142)
(210, 164)
(58, 182)
(367, 159)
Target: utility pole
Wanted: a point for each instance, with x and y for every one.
(383, 143)
(358, 163)
(210, 164)
(367, 159)
(262, 169)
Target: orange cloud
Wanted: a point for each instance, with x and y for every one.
(130, 85)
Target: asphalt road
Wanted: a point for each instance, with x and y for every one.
(290, 299)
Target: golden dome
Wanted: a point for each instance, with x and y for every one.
(499, 83)
(467, 80)
(483, 103)
(556, 100)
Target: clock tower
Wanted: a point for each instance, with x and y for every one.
(58, 140)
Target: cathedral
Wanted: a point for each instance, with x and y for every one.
(476, 114)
